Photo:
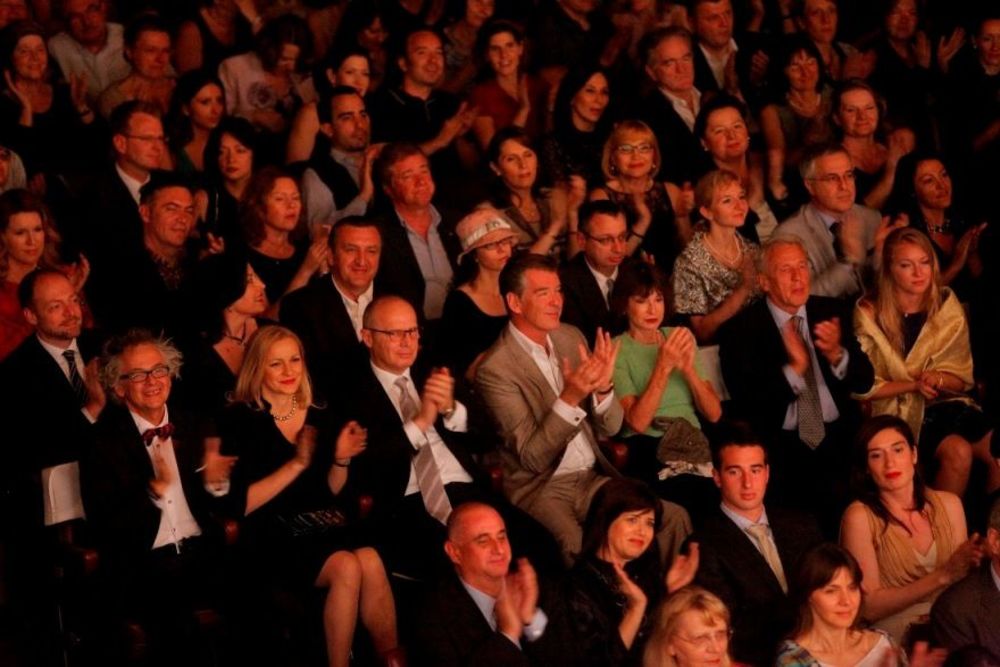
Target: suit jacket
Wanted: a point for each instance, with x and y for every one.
(829, 277)
(680, 151)
(753, 354)
(520, 400)
(733, 568)
(317, 314)
(110, 216)
(583, 303)
(968, 613)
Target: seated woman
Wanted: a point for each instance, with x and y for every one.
(723, 126)
(828, 589)
(147, 49)
(657, 212)
(460, 40)
(197, 109)
(917, 338)
(274, 229)
(923, 190)
(545, 219)
(506, 95)
(581, 122)
(909, 540)
(716, 275)
(691, 629)
(857, 113)
(817, 20)
(289, 468)
(474, 311)
(230, 151)
(618, 579)
(662, 391)
(362, 27)
(216, 30)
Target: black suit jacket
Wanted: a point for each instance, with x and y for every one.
(681, 152)
(110, 217)
(752, 355)
(583, 303)
(733, 568)
(968, 613)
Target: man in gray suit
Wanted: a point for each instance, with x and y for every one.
(841, 238)
(552, 398)
(968, 613)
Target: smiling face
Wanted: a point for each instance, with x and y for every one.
(802, 72)
(283, 370)
(31, 60)
(504, 54)
(354, 72)
(836, 605)
(517, 165)
(589, 103)
(24, 239)
(423, 64)
(726, 135)
(283, 205)
(832, 185)
(537, 309)
(645, 313)
(742, 479)
(785, 279)
(699, 641)
(168, 218)
(55, 310)
(235, 159)
(410, 182)
(148, 397)
(479, 548)
(393, 352)
(932, 184)
(729, 206)
(629, 535)
(858, 113)
(912, 270)
(206, 108)
(671, 65)
(891, 460)
(356, 252)
(634, 154)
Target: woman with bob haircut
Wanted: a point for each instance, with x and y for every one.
(910, 541)
(691, 629)
(289, 468)
(618, 577)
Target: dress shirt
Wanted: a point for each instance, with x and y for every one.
(579, 454)
(132, 185)
(434, 265)
(57, 354)
(686, 113)
(603, 282)
(744, 525)
(451, 470)
(718, 63)
(797, 382)
(176, 521)
(355, 309)
(321, 208)
(101, 69)
(487, 603)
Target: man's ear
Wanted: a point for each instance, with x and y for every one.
(452, 552)
(513, 303)
(145, 213)
(30, 317)
(119, 142)
(366, 338)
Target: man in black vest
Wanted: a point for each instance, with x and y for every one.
(338, 184)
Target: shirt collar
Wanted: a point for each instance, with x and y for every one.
(677, 100)
(144, 425)
(781, 317)
(363, 298)
(731, 48)
(435, 218)
(827, 218)
(741, 521)
(387, 378)
(530, 346)
(133, 185)
(57, 352)
(484, 601)
(601, 279)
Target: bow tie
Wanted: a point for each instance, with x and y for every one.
(161, 432)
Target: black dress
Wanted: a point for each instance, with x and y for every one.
(277, 273)
(465, 332)
(293, 534)
(662, 240)
(570, 152)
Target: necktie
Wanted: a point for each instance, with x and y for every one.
(161, 432)
(428, 475)
(79, 388)
(838, 248)
(611, 289)
(761, 534)
(811, 427)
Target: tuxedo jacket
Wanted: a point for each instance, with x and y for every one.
(583, 302)
(520, 400)
(115, 480)
(968, 613)
(753, 354)
(732, 567)
(681, 152)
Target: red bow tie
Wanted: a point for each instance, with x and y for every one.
(161, 432)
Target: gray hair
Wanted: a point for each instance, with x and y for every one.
(768, 247)
(114, 349)
(807, 168)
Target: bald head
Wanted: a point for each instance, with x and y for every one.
(391, 334)
(52, 306)
(478, 547)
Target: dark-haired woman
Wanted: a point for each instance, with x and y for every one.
(618, 579)
(230, 151)
(910, 541)
(363, 27)
(198, 107)
(580, 125)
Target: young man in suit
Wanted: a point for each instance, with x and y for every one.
(791, 362)
(748, 553)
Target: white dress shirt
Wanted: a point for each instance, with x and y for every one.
(744, 524)
(356, 309)
(57, 354)
(449, 467)
(604, 283)
(686, 113)
(131, 184)
(717, 63)
(176, 521)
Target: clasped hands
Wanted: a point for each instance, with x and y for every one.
(593, 373)
(438, 397)
(826, 340)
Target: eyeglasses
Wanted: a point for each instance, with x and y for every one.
(139, 376)
(641, 149)
(836, 179)
(496, 245)
(397, 335)
(157, 138)
(708, 639)
(608, 241)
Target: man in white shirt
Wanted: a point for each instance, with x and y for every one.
(552, 398)
(91, 48)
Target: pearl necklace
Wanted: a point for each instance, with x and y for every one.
(734, 260)
(286, 417)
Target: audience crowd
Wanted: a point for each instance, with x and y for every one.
(499, 332)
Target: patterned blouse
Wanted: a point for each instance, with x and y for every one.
(701, 282)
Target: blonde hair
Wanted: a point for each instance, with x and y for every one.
(709, 184)
(664, 627)
(617, 138)
(250, 383)
(885, 305)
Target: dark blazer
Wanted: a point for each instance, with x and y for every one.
(733, 568)
(968, 613)
(115, 479)
(317, 314)
(583, 303)
(680, 151)
(110, 216)
(752, 355)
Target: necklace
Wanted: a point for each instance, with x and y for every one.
(239, 340)
(286, 417)
(943, 228)
(733, 259)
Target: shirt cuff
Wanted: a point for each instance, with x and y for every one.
(795, 381)
(569, 414)
(840, 370)
(414, 434)
(536, 628)
(86, 415)
(458, 421)
(605, 404)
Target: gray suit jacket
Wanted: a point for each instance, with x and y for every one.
(968, 613)
(520, 400)
(829, 277)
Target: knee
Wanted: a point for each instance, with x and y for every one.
(955, 452)
(370, 563)
(341, 569)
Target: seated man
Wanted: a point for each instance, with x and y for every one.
(483, 614)
(91, 48)
(748, 553)
(968, 613)
(841, 238)
(551, 399)
(791, 362)
(418, 463)
(144, 496)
